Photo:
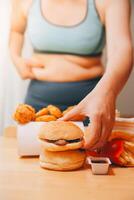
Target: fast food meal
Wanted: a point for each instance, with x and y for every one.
(24, 114)
(60, 143)
(61, 136)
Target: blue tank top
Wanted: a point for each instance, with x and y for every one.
(86, 38)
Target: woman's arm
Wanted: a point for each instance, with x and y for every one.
(119, 60)
(99, 105)
(119, 45)
(18, 26)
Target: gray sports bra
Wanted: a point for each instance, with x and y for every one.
(86, 38)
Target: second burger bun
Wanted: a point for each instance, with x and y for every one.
(59, 131)
(62, 161)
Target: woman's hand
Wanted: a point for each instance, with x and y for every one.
(99, 106)
(23, 69)
(25, 66)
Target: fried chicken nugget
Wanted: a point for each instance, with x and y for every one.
(46, 118)
(43, 111)
(24, 114)
(55, 111)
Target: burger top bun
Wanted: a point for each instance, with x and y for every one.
(56, 130)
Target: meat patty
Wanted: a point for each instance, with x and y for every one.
(62, 142)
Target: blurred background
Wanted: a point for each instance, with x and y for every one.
(12, 88)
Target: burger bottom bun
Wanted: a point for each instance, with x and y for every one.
(62, 161)
(53, 147)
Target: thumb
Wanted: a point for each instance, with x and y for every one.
(73, 115)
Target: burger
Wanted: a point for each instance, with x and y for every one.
(61, 144)
(61, 136)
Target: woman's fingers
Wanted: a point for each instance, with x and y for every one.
(93, 132)
(33, 62)
(71, 115)
(107, 124)
(26, 74)
(103, 138)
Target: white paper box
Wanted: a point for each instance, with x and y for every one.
(27, 136)
(28, 144)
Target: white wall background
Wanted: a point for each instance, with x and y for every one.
(12, 89)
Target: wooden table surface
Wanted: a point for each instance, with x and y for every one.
(24, 179)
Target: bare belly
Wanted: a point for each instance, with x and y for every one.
(62, 68)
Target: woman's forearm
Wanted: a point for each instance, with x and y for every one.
(16, 45)
(118, 69)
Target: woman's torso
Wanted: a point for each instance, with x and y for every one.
(68, 40)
